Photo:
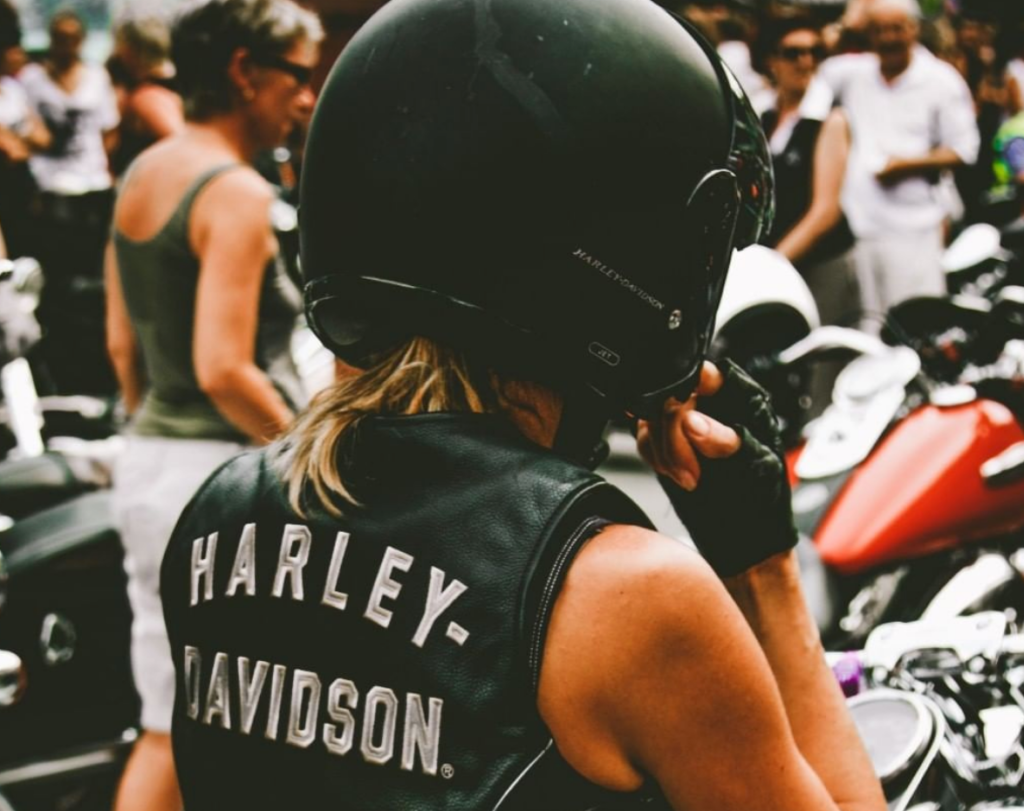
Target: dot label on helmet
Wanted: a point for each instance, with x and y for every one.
(603, 353)
(675, 320)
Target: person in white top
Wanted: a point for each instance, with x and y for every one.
(77, 103)
(21, 134)
(912, 118)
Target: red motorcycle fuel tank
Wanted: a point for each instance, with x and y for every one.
(921, 489)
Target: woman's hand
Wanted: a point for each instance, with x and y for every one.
(671, 446)
(723, 471)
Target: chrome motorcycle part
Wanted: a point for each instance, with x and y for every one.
(832, 339)
(902, 733)
(22, 401)
(970, 586)
(12, 679)
(976, 244)
(57, 639)
(952, 396)
(868, 605)
(1006, 468)
(976, 635)
(867, 396)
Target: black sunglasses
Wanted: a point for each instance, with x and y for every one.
(791, 53)
(302, 74)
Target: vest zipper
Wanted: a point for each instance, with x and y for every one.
(565, 556)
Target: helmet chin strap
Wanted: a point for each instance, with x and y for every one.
(580, 434)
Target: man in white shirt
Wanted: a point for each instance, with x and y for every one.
(912, 119)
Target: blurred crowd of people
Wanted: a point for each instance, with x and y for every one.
(891, 123)
(69, 130)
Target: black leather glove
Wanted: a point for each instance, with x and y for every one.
(741, 512)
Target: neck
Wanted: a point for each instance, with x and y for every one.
(891, 70)
(230, 131)
(534, 409)
(789, 100)
(62, 66)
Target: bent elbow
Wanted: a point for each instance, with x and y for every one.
(120, 349)
(217, 381)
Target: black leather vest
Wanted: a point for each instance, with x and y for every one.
(794, 184)
(389, 659)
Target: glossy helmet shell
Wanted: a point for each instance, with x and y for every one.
(559, 184)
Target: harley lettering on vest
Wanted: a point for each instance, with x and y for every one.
(298, 707)
(290, 581)
(302, 709)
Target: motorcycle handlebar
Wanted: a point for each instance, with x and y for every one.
(832, 339)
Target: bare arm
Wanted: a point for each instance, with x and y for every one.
(230, 231)
(929, 165)
(159, 111)
(830, 155)
(1015, 100)
(651, 671)
(121, 344)
(37, 136)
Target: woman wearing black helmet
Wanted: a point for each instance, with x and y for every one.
(516, 218)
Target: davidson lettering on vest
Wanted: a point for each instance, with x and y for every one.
(407, 730)
(303, 708)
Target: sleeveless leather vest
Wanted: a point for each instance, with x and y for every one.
(794, 182)
(387, 660)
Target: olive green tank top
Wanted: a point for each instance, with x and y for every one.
(159, 276)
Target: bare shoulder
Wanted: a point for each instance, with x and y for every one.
(236, 203)
(649, 572)
(239, 187)
(636, 606)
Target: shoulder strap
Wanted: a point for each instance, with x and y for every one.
(184, 207)
(177, 224)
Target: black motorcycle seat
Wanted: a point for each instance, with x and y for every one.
(33, 484)
(84, 520)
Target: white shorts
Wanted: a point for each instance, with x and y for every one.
(154, 479)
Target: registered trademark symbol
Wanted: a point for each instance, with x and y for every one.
(447, 771)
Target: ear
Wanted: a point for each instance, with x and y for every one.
(240, 72)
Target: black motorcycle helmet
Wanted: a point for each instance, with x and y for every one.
(557, 182)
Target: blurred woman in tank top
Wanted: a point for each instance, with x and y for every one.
(143, 77)
(198, 317)
(810, 141)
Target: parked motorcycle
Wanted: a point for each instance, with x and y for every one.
(983, 259)
(914, 471)
(68, 707)
(939, 707)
